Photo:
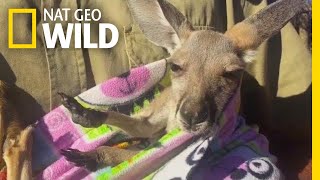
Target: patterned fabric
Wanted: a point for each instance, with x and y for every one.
(235, 152)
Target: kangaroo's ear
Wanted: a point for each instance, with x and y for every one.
(25, 140)
(251, 32)
(161, 22)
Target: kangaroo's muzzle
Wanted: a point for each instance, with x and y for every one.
(194, 115)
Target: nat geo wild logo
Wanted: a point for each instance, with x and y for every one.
(55, 34)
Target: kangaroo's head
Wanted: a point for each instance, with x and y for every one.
(206, 65)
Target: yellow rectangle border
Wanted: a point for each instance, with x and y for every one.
(315, 90)
(33, 44)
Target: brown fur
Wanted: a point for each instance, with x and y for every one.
(18, 156)
(206, 70)
(11, 138)
(245, 42)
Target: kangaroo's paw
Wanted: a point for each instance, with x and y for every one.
(81, 115)
(87, 160)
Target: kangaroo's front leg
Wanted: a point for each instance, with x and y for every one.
(101, 157)
(148, 123)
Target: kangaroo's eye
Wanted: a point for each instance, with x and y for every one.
(233, 74)
(175, 67)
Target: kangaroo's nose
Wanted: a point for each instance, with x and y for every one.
(192, 115)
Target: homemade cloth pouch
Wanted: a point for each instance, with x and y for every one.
(235, 151)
